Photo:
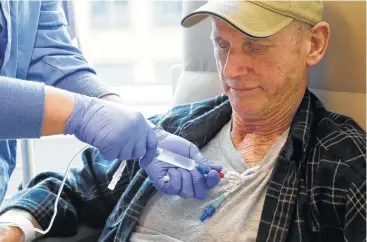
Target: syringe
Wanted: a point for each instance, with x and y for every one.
(175, 159)
(170, 158)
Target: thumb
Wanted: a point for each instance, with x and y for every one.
(195, 154)
(213, 166)
(212, 179)
(199, 158)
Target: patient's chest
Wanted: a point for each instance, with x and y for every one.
(171, 218)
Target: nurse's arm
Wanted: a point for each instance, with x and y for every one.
(30, 109)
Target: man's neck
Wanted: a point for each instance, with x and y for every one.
(253, 138)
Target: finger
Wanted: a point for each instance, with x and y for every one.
(127, 150)
(212, 179)
(152, 139)
(149, 156)
(213, 166)
(194, 153)
(187, 189)
(110, 152)
(174, 185)
(199, 184)
(139, 149)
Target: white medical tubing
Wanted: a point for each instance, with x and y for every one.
(164, 155)
(55, 207)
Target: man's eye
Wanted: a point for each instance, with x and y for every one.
(256, 48)
(222, 46)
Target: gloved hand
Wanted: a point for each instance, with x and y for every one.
(184, 183)
(117, 131)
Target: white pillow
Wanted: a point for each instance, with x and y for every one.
(194, 86)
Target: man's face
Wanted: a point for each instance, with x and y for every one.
(261, 76)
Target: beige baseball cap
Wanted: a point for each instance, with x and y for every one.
(258, 18)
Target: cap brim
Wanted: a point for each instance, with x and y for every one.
(247, 17)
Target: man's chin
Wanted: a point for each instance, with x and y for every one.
(247, 108)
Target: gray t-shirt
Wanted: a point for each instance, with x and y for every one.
(171, 218)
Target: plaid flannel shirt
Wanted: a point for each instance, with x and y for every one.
(317, 191)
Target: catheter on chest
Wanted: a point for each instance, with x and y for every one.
(235, 182)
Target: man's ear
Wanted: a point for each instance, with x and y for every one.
(320, 35)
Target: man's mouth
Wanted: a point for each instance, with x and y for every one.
(243, 89)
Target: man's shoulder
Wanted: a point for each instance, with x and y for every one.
(339, 136)
(177, 117)
(334, 173)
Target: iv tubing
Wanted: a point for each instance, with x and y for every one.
(57, 200)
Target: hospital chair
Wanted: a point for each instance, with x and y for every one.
(339, 81)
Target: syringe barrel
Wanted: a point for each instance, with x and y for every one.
(175, 159)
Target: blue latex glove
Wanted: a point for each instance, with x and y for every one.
(184, 183)
(117, 131)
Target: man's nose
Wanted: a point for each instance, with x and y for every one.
(236, 65)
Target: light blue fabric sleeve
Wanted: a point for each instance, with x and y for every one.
(7, 164)
(21, 108)
(56, 62)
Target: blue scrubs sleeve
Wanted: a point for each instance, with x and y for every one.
(21, 108)
(56, 62)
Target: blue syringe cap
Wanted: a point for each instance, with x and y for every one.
(205, 170)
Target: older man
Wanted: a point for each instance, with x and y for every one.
(294, 171)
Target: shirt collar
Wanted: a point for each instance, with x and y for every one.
(210, 117)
